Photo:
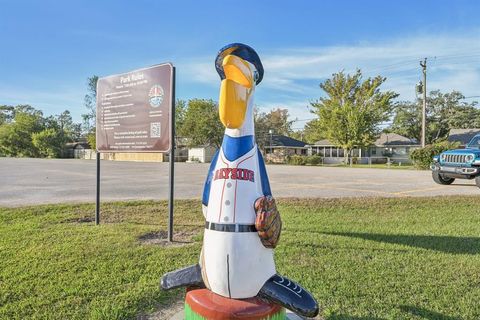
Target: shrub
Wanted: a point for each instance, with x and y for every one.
(296, 160)
(422, 157)
(313, 160)
(92, 139)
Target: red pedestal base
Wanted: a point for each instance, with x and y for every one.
(204, 304)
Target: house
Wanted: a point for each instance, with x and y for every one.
(392, 145)
(278, 147)
(330, 152)
(463, 136)
(388, 147)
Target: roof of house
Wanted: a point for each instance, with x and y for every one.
(462, 135)
(385, 139)
(284, 141)
(394, 139)
(77, 145)
(323, 142)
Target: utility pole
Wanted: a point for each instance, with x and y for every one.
(423, 64)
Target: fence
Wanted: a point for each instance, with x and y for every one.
(388, 161)
(340, 161)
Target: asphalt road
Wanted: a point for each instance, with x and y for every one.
(33, 181)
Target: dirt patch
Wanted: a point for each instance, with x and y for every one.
(161, 238)
(165, 312)
(79, 220)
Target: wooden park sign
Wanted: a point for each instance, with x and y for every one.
(134, 110)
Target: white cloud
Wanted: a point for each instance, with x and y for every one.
(292, 75)
(450, 57)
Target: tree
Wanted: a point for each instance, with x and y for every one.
(89, 118)
(444, 112)
(16, 136)
(201, 124)
(25, 132)
(312, 132)
(71, 130)
(49, 143)
(275, 119)
(407, 120)
(59, 129)
(448, 111)
(274, 122)
(90, 102)
(6, 114)
(180, 110)
(350, 115)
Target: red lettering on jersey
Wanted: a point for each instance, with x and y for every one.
(239, 174)
(234, 174)
(250, 176)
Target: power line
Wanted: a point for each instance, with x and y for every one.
(436, 59)
(457, 56)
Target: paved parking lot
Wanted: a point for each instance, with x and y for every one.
(33, 181)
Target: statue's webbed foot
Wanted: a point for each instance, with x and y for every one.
(290, 295)
(189, 276)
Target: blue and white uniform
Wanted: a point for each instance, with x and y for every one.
(233, 184)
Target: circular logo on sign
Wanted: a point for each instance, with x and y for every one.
(156, 95)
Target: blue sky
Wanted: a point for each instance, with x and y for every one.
(49, 48)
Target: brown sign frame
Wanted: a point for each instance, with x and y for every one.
(171, 95)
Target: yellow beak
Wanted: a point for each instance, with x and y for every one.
(235, 90)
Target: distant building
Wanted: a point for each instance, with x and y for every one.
(463, 136)
(82, 150)
(392, 145)
(201, 154)
(388, 146)
(278, 147)
(77, 150)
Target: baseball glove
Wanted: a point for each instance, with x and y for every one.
(268, 222)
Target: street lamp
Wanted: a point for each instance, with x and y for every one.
(271, 134)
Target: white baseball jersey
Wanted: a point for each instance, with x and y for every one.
(235, 264)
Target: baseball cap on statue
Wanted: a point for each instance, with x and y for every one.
(242, 51)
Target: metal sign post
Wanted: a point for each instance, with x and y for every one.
(97, 200)
(171, 159)
(136, 113)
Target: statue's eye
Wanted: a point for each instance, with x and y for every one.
(255, 75)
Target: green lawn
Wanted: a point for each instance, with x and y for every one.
(408, 258)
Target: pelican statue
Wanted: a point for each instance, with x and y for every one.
(237, 254)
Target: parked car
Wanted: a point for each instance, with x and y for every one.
(458, 164)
